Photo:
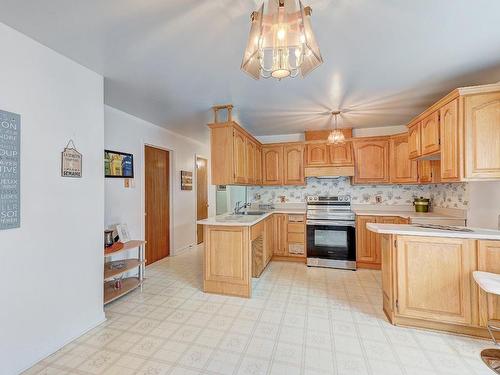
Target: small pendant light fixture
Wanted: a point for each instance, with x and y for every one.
(281, 43)
(336, 136)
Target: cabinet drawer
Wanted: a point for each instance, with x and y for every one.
(296, 249)
(296, 237)
(296, 228)
(296, 218)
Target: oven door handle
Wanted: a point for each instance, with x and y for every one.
(329, 223)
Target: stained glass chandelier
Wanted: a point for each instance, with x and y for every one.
(281, 43)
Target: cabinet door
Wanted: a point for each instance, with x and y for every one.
(269, 238)
(449, 142)
(402, 169)
(366, 241)
(272, 165)
(239, 152)
(294, 164)
(424, 171)
(488, 261)
(386, 241)
(482, 136)
(378, 241)
(434, 278)
(250, 161)
(371, 161)
(280, 231)
(429, 134)
(258, 165)
(317, 154)
(414, 145)
(341, 154)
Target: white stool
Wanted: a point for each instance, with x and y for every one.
(490, 283)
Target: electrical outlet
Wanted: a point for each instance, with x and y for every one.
(378, 199)
(282, 199)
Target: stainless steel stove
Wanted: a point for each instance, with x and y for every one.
(331, 232)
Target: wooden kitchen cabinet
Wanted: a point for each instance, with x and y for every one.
(280, 234)
(368, 245)
(434, 278)
(317, 154)
(403, 170)
(293, 157)
(269, 238)
(272, 165)
(240, 157)
(414, 144)
(227, 266)
(482, 136)
(429, 135)
(235, 155)
(258, 165)
(251, 148)
(341, 154)
(371, 158)
(488, 261)
(296, 235)
(429, 171)
(450, 151)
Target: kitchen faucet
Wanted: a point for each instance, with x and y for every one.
(238, 208)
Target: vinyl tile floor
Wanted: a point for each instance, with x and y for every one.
(299, 321)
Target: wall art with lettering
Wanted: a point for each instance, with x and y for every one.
(10, 174)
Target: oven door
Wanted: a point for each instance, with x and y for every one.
(331, 240)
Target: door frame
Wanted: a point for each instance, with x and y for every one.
(170, 198)
(195, 183)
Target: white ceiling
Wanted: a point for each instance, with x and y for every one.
(169, 61)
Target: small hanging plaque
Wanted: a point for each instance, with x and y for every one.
(71, 161)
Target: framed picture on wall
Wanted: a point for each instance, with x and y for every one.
(118, 164)
(186, 180)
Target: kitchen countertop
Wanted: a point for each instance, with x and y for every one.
(248, 220)
(403, 214)
(412, 230)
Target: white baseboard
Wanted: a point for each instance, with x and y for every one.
(184, 249)
(99, 321)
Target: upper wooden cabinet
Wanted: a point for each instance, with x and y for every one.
(283, 164)
(272, 165)
(293, 158)
(429, 134)
(258, 165)
(371, 160)
(341, 154)
(240, 157)
(251, 176)
(450, 162)
(482, 136)
(235, 155)
(462, 130)
(402, 169)
(317, 154)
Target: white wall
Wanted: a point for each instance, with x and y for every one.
(127, 133)
(51, 267)
(484, 204)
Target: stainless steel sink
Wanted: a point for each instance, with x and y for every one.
(254, 213)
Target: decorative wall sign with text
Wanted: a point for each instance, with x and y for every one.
(10, 174)
(71, 161)
(186, 180)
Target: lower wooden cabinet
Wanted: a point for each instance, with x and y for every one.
(280, 228)
(488, 261)
(434, 278)
(269, 239)
(227, 260)
(368, 247)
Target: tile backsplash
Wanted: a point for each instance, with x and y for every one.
(453, 195)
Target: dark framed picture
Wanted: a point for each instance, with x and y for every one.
(118, 164)
(186, 180)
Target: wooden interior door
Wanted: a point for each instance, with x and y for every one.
(157, 187)
(201, 194)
